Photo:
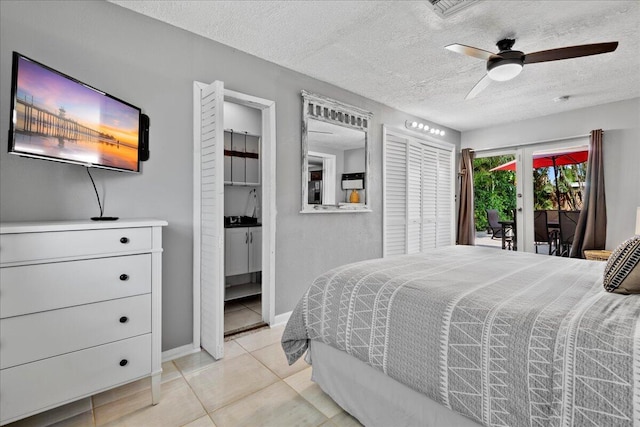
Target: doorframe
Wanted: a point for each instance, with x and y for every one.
(524, 179)
(268, 201)
(328, 176)
(525, 155)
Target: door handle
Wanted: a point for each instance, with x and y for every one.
(251, 241)
(246, 237)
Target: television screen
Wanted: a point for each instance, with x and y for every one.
(56, 117)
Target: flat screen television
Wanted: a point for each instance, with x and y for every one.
(56, 117)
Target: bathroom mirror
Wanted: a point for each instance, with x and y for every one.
(335, 156)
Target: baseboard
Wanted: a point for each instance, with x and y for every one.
(178, 352)
(281, 319)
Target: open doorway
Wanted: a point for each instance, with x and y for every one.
(242, 218)
(494, 201)
(209, 276)
(559, 177)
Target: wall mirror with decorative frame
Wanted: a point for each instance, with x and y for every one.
(335, 156)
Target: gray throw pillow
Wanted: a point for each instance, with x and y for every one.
(622, 273)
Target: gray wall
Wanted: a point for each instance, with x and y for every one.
(153, 65)
(621, 152)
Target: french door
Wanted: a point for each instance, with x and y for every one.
(418, 194)
(524, 181)
(525, 188)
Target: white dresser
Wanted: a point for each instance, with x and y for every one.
(80, 311)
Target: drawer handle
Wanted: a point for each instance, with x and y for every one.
(124, 240)
(124, 277)
(124, 319)
(124, 362)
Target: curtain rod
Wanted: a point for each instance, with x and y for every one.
(503, 147)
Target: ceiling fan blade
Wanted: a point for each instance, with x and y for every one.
(569, 52)
(479, 87)
(470, 51)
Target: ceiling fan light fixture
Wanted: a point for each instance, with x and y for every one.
(504, 69)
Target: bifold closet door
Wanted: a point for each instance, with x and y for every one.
(445, 199)
(429, 199)
(395, 196)
(212, 217)
(418, 195)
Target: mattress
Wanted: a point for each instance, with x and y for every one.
(500, 337)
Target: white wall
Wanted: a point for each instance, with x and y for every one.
(240, 119)
(621, 151)
(354, 160)
(153, 65)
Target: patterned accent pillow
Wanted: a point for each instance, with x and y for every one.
(622, 273)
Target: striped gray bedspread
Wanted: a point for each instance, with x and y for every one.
(504, 338)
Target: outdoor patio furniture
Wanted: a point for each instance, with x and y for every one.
(542, 232)
(494, 224)
(568, 221)
(552, 218)
(509, 235)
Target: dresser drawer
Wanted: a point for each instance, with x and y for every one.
(24, 247)
(36, 386)
(50, 333)
(40, 287)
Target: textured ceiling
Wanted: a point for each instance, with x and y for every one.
(393, 51)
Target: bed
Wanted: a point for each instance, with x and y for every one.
(467, 335)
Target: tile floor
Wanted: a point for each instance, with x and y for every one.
(251, 386)
(242, 314)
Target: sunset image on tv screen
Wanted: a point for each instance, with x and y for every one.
(60, 118)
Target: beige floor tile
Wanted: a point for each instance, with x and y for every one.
(117, 393)
(84, 419)
(61, 413)
(233, 306)
(238, 319)
(254, 304)
(233, 349)
(261, 338)
(194, 362)
(169, 373)
(301, 382)
(229, 380)
(343, 419)
(202, 359)
(201, 422)
(178, 406)
(277, 405)
(273, 357)
(124, 406)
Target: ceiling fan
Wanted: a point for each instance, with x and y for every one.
(507, 63)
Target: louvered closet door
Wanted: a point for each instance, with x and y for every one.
(211, 217)
(395, 198)
(414, 199)
(429, 196)
(418, 196)
(445, 201)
